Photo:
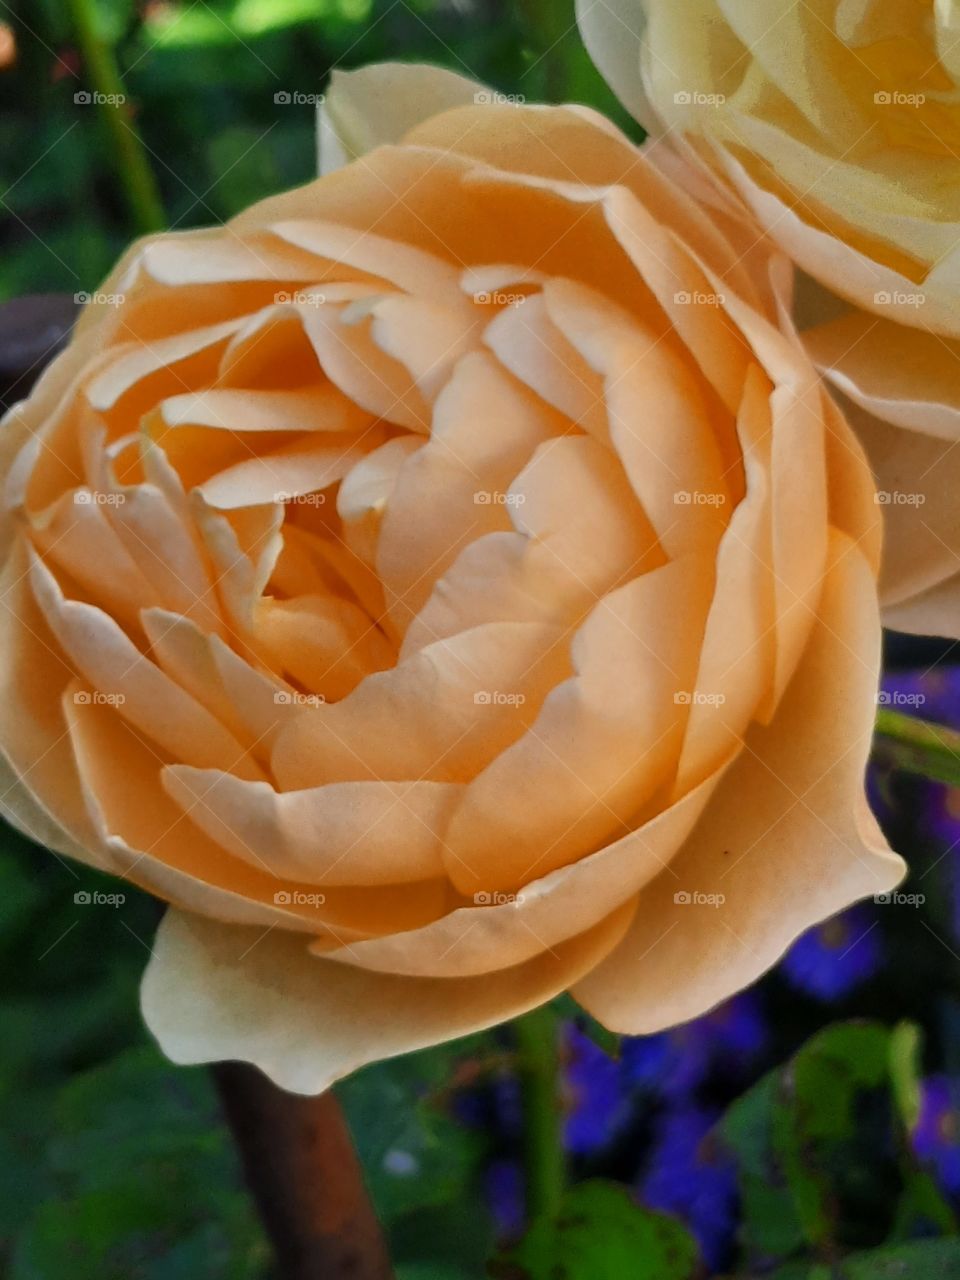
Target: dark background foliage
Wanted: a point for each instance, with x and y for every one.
(809, 1129)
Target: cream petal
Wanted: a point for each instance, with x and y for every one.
(804, 848)
(852, 497)
(485, 429)
(918, 391)
(134, 361)
(42, 795)
(212, 993)
(580, 533)
(363, 371)
(659, 421)
(323, 644)
(916, 479)
(613, 31)
(250, 703)
(839, 266)
(443, 697)
(376, 104)
(77, 535)
(426, 338)
(365, 491)
(677, 280)
(143, 694)
(405, 266)
(530, 346)
(934, 612)
(350, 833)
(306, 466)
(150, 841)
(495, 934)
(241, 570)
(601, 747)
(165, 550)
(320, 408)
(215, 257)
(735, 675)
(572, 145)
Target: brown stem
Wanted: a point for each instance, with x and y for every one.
(305, 1177)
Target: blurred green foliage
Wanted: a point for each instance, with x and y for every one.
(823, 1157)
(115, 1165)
(201, 80)
(602, 1234)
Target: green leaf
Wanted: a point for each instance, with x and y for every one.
(143, 1174)
(256, 17)
(905, 1046)
(414, 1154)
(601, 1234)
(820, 1145)
(924, 1260)
(771, 1222)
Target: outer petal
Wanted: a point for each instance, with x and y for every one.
(213, 992)
(613, 30)
(364, 109)
(787, 840)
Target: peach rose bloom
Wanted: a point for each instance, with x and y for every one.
(838, 124)
(446, 585)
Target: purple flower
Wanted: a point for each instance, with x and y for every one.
(932, 694)
(691, 1176)
(504, 1194)
(836, 957)
(597, 1105)
(936, 1138)
(676, 1062)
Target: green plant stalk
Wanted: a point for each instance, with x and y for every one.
(539, 1071)
(139, 184)
(919, 746)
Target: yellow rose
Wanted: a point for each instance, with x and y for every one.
(447, 585)
(838, 124)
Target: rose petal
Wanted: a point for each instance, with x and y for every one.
(212, 993)
(804, 847)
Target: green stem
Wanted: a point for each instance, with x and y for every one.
(919, 746)
(551, 24)
(540, 1085)
(139, 183)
